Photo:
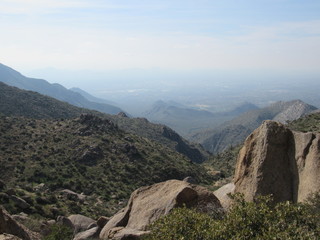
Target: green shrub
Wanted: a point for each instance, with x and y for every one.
(246, 220)
(182, 223)
(59, 232)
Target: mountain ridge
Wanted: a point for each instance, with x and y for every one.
(236, 130)
(13, 78)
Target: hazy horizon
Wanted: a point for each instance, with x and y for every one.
(195, 52)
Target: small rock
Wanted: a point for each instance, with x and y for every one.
(39, 188)
(189, 180)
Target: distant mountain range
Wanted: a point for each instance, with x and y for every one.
(236, 130)
(186, 120)
(16, 79)
(17, 102)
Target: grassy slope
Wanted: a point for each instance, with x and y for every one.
(309, 123)
(88, 155)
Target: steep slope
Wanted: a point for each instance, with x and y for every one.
(235, 131)
(14, 78)
(308, 123)
(87, 155)
(17, 102)
(161, 134)
(186, 120)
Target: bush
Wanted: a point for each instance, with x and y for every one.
(246, 220)
(59, 232)
(182, 223)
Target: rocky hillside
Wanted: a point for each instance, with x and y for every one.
(161, 134)
(13, 78)
(17, 102)
(308, 123)
(235, 131)
(87, 155)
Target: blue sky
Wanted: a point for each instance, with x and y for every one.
(177, 35)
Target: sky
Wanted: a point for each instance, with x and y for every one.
(179, 35)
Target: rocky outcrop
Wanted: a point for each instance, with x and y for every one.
(275, 160)
(147, 204)
(10, 226)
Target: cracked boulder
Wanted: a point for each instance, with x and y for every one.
(275, 160)
(147, 204)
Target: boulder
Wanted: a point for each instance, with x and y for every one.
(73, 195)
(189, 180)
(121, 233)
(223, 195)
(10, 226)
(275, 160)
(65, 222)
(148, 204)
(46, 227)
(6, 236)
(92, 233)
(80, 222)
(19, 202)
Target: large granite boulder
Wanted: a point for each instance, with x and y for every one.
(275, 160)
(148, 204)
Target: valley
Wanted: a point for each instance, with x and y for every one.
(68, 157)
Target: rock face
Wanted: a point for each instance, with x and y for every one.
(9, 226)
(147, 204)
(275, 160)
